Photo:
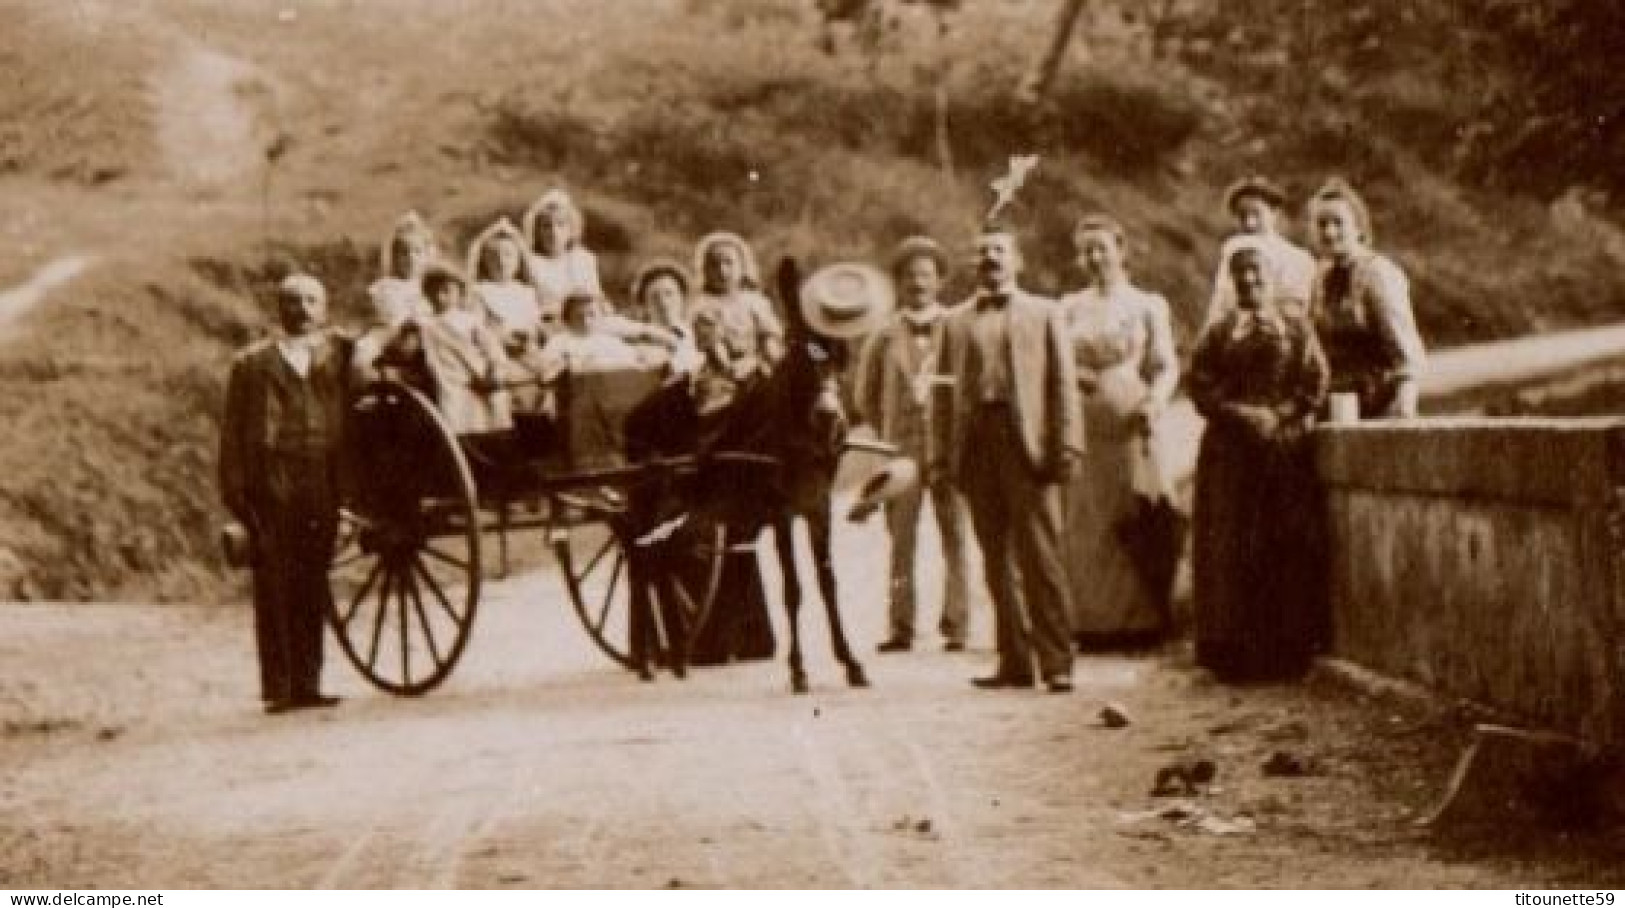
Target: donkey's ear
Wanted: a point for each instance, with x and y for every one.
(789, 280)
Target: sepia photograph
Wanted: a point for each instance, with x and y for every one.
(812, 445)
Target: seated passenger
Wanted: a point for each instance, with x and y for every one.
(660, 299)
(502, 283)
(465, 357)
(407, 253)
(585, 344)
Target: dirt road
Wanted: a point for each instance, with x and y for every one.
(133, 755)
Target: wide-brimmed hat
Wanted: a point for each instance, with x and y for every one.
(894, 477)
(1256, 187)
(657, 268)
(847, 300)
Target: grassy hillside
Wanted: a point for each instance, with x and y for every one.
(670, 118)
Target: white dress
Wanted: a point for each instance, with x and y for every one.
(576, 270)
(512, 306)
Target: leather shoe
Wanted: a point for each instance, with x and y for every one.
(1059, 684)
(315, 701)
(954, 646)
(896, 645)
(1002, 682)
(277, 707)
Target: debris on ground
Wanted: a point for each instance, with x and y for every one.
(1286, 764)
(1183, 778)
(1196, 818)
(1114, 716)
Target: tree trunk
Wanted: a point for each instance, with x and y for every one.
(1038, 81)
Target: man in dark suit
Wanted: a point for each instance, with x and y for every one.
(1010, 434)
(278, 478)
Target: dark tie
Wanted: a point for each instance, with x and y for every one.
(992, 301)
(920, 329)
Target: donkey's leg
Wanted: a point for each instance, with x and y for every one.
(819, 522)
(785, 542)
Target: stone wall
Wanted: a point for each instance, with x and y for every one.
(1477, 558)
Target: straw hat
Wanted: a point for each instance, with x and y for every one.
(846, 300)
(895, 477)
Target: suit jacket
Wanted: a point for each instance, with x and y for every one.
(259, 418)
(1044, 387)
(890, 365)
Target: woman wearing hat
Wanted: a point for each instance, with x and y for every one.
(1123, 344)
(1257, 376)
(1255, 203)
(1361, 307)
(560, 265)
(894, 388)
(659, 300)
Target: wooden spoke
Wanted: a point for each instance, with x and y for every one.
(423, 621)
(609, 544)
(609, 594)
(406, 583)
(434, 587)
(378, 620)
(444, 558)
(361, 593)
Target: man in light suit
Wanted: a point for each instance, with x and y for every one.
(279, 476)
(1010, 434)
(894, 390)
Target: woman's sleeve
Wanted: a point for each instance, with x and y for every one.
(590, 262)
(1395, 319)
(1161, 366)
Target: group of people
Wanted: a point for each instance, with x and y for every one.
(994, 397)
(528, 307)
(1046, 428)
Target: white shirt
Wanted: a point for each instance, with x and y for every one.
(298, 353)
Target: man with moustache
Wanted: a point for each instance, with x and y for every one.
(278, 476)
(894, 392)
(1010, 435)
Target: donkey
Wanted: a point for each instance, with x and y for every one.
(794, 419)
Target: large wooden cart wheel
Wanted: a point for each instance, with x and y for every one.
(406, 574)
(681, 571)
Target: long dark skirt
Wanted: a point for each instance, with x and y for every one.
(1257, 559)
(740, 628)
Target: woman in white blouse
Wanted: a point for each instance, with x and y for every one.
(1122, 339)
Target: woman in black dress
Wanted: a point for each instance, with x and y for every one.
(1258, 376)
